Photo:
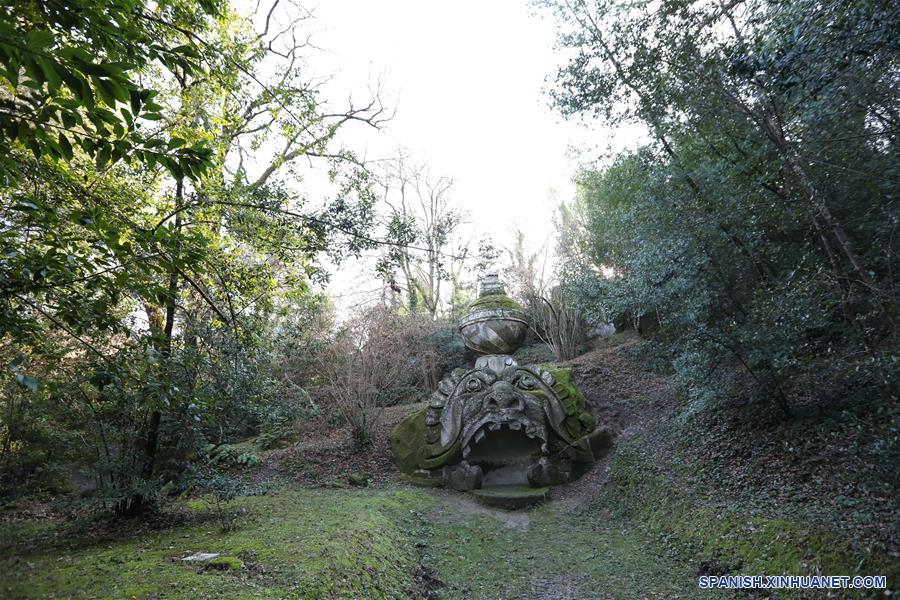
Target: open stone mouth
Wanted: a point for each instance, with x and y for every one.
(514, 419)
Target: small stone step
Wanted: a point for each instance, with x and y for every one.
(511, 497)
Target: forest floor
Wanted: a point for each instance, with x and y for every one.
(676, 498)
(382, 541)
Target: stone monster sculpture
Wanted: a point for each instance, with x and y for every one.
(498, 423)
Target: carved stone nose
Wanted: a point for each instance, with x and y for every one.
(502, 395)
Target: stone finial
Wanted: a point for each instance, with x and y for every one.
(490, 285)
(494, 323)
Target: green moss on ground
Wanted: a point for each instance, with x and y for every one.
(660, 496)
(303, 543)
(551, 554)
(226, 563)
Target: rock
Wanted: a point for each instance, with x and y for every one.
(462, 477)
(545, 405)
(499, 417)
(511, 497)
(494, 323)
(358, 479)
(545, 473)
(201, 557)
(600, 331)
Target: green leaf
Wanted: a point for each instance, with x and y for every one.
(40, 39)
(65, 147)
(33, 70)
(50, 74)
(103, 156)
(135, 98)
(69, 119)
(105, 90)
(118, 91)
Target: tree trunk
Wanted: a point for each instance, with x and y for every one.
(138, 502)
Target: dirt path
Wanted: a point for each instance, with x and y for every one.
(556, 551)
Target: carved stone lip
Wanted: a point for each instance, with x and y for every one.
(493, 314)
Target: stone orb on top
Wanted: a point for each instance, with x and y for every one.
(495, 323)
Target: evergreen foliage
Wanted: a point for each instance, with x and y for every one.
(758, 222)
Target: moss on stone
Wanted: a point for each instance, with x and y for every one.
(427, 460)
(226, 563)
(580, 421)
(492, 301)
(406, 438)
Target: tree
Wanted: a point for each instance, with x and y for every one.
(136, 294)
(424, 226)
(71, 81)
(552, 313)
(758, 222)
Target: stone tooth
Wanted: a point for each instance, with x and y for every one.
(466, 451)
(515, 425)
(494, 426)
(479, 436)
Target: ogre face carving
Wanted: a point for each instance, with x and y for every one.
(469, 404)
(491, 401)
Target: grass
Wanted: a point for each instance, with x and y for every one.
(659, 491)
(347, 543)
(300, 543)
(555, 555)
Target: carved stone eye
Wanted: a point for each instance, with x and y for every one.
(473, 385)
(527, 382)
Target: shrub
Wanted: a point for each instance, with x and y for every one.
(374, 358)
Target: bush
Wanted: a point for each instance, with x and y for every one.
(218, 490)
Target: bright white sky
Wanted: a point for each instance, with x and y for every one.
(466, 78)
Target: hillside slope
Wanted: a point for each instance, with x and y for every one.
(737, 489)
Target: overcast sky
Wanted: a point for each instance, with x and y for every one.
(467, 80)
